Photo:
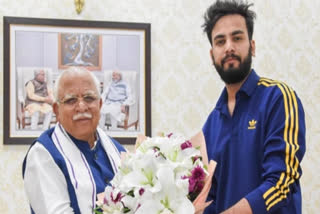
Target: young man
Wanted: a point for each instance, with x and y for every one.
(70, 164)
(256, 132)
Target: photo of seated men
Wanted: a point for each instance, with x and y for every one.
(38, 100)
(115, 97)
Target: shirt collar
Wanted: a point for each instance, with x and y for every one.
(84, 145)
(247, 87)
(250, 84)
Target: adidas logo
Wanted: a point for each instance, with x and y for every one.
(252, 124)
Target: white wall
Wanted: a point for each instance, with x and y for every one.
(185, 86)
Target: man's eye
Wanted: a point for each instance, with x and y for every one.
(71, 101)
(89, 99)
(220, 42)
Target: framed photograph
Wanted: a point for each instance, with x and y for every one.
(37, 50)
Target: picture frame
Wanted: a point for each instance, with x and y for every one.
(33, 45)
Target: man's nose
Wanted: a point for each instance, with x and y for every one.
(81, 105)
(229, 47)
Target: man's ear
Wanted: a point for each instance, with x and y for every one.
(211, 56)
(253, 47)
(100, 103)
(55, 107)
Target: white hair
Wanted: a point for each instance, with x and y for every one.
(75, 70)
(37, 71)
(117, 71)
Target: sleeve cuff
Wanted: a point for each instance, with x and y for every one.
(256, 202)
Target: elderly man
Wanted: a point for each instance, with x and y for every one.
(68, 165)
(115, 97)
(38, 100)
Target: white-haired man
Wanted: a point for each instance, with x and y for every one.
(115, 97)
(38, 100)
(68, 165)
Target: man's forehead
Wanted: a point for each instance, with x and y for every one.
(83, 93)
(41, 72)
(76, 79)
(76, 88)
(226, 25)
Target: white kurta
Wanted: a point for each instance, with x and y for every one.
(45, 183)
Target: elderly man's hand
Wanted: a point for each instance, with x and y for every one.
(139, 140)
(48, 100)
(200, 202)
(123, 108)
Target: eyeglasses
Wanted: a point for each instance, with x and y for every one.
(70, 100)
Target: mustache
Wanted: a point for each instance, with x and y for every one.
(84, 115)
(230, 56)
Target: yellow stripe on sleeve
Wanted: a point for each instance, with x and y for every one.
(279, 192)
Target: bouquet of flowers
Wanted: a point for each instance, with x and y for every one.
(163, 176)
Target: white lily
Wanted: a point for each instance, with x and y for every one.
(155, 179)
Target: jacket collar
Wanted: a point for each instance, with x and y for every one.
(248, 88)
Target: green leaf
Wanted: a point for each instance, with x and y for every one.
(126, 210)
(97, 210)
(130, 193)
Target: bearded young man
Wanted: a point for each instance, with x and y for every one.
(256, 132)
(69, 164)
